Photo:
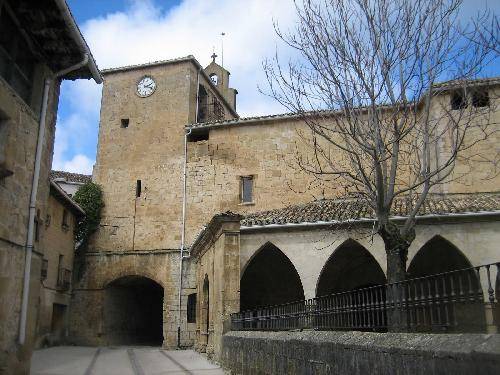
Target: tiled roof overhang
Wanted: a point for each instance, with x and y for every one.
(55, 35)
(70, 177)
(339, 211)
(57, 192)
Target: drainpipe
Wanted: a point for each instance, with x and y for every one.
(184, 197)
(34, 191)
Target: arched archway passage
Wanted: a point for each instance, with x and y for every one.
(133, 311)
(436, 256)
(269, 279)
(350, 267)
(459, 293)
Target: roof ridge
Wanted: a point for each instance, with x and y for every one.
(150, 63)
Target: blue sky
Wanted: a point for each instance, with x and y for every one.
(124, 32)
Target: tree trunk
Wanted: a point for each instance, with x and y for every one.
(396, 247)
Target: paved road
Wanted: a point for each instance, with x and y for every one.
(78, 360)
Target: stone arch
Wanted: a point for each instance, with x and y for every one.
(350, 266)
(465, 311)
(269, 278)
(437, 255)
(133, 311)
(116, 273)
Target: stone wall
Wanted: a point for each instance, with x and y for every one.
(19, 136)
(98, 270)
(217, 260)
(269, 149)
(315, 352)
(57, 240)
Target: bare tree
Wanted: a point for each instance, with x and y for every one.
(365, 83)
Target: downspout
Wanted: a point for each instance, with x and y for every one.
(184, 198)
(34, 191)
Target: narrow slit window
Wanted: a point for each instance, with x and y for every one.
(191, 308)
(125, 122)
(247, 189)
(138, 188)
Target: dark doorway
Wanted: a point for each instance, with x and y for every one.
(58, 321)
(133, 312)
(269, 279)
(205, 313)
(350, 267)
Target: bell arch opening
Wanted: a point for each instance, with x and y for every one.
(133, 311)
(270, 278)
(350, 267)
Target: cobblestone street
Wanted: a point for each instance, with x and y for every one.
(74, 360)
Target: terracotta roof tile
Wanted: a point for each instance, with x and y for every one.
(339, 210)
(70, 177)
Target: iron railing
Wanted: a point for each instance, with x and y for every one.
(445, 302)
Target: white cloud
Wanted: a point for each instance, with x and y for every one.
(143, 33)
(78, 164)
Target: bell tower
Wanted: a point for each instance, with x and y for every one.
(220, 78)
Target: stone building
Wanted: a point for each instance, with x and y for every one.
(173, 153)
(40, 45)
(57, 266)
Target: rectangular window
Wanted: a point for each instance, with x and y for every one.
(480, 98)
(458, 100)
(199, 135)
(191, 308)
(246, 195)
(138, 188)
(125, 122)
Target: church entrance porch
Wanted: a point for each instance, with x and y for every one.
(133, 311)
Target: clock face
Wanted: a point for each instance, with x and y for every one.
(146, 86)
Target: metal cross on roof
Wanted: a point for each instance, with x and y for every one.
(213, 57)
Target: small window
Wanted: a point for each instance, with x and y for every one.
(191, 308)
(138, 188)
(458, 100)
(247, 189)
(480, 98)
(125, 122)
(45, 267)
(37, 225)
(64, 223)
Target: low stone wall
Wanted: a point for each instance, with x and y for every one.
(314, 352)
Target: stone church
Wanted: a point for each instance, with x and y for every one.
(206, 213)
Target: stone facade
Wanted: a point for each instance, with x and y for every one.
(56, 233)
(140, 165)
(31, 56)
(15, 190)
